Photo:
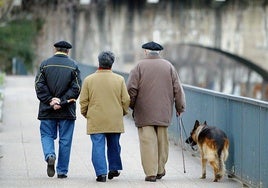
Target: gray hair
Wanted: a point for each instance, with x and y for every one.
(106, 59)
(153, 52)
(65, 50)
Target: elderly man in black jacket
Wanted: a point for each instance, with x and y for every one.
(57, 86)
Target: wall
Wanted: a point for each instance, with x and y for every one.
(239, 27)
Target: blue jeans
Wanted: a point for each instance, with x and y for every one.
(49, 130)
(113, 152)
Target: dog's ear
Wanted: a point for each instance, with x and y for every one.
(205, 123)
(196, 124)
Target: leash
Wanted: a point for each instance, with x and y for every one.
(181, 128)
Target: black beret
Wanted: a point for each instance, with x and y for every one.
(152, 46)
(63, 44)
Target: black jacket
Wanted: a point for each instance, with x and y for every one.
(59, 77)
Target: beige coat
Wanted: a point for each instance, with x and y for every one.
(154, 86)
(104, 101)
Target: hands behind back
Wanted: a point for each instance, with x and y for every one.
(55, 103)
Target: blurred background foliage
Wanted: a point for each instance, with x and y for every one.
(18, 31)
(16, 38)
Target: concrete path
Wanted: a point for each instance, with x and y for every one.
(21, 158)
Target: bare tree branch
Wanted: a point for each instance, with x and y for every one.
(5, 8)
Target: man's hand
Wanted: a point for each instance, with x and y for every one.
(54, 101)
(71, 100)
(56, 106)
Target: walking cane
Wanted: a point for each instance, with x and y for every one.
(179, 124)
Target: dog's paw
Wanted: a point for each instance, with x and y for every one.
(203, 176)
(218, 177)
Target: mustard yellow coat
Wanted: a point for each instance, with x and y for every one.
(104, 100)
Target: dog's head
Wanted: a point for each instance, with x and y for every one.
(192, 139)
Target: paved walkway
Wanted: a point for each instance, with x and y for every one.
(21, 158)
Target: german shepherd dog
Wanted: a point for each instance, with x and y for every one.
(213, 145)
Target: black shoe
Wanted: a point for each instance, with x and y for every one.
(159, 176)
(112, 174)
(150, 178)
(62, 176)
(101, 178)
(50, 166)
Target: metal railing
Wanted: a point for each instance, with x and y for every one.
(245, 122)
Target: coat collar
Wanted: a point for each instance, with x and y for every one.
(103, 70)
(60, 54)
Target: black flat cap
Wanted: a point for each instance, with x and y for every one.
(63, 44)
(152, 46)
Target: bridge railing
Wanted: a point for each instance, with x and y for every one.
(244, 120)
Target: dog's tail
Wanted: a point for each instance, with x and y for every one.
(225, 149)
(222, 156)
